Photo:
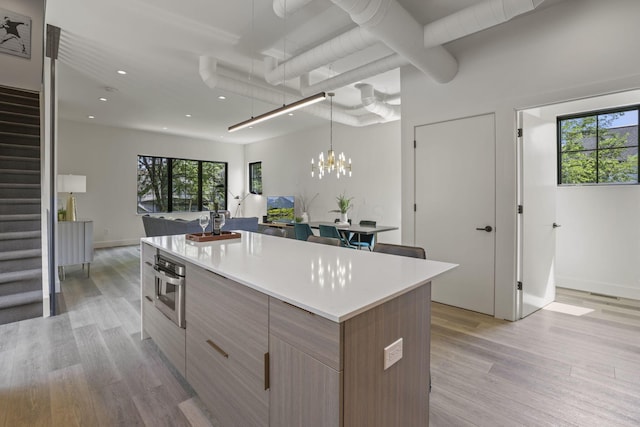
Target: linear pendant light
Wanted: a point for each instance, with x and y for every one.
(279, 111)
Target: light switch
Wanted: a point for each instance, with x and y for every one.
(392, 353)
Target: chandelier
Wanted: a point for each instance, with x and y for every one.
(332, 164)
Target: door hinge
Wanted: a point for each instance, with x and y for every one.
(415, 207)
(415, 145)
(519, 133)
(519, 286)
(520, 209)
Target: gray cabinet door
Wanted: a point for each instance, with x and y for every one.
(227, 345)
(304, 391)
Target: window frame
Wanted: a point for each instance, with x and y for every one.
(597, 149)
(170, 191)
(252, 190)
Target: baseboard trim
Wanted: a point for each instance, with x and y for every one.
(604, 288)
(115, 243)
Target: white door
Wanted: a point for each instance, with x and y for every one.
(455, 196)
(537, 222)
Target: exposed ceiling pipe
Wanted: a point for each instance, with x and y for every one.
(284, 8)
(216, 77)
(395, 27)
(373, 105)
(475, 18)
(374, 68)
(343, 45)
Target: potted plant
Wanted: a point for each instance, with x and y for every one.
(344, 204)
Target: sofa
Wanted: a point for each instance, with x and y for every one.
(160, 226)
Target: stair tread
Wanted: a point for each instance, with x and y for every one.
(19, 124)
(13, 276)
(17, 201)
(19, 172)
(18, 185)
(21, 298)
(19, 146)
(13, 113)
(20, 159)
(25, 201)
(8, 102)
(19, 217)
(17, 235)
(21, 254)
(19, 94)
(22, 135)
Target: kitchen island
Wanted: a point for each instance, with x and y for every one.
(283, 332)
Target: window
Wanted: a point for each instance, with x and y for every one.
(180, 185)
(255, 178)
(599, 147)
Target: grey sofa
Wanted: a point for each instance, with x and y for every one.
(159, 226)
(247, 224)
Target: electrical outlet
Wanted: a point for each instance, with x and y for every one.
(392, 353)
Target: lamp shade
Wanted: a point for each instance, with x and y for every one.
(72, 183)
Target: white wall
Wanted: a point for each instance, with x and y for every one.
(599, 242)
(375, 184)
(21, 72)
(574, 49)
(108, 158)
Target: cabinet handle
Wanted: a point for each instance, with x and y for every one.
(148, 297)
(148, 263)
(267, 379)
(218, 349)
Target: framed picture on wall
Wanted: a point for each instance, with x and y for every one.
(15, 33)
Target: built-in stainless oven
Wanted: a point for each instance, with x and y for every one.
(170, 288)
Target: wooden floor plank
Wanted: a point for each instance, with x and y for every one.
(71, 403)
(548, 369)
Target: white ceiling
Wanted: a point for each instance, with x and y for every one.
(159, 42)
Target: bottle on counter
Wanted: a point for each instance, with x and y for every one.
(217, 220)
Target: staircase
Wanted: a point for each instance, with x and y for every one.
(20, 235)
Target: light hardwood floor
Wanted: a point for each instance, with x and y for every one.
(88, 367)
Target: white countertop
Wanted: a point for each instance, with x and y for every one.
(332, 282)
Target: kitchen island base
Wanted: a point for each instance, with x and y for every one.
(258, 359)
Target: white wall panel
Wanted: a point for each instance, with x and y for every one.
(375, 184)
(108, 156)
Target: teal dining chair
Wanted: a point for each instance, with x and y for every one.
(302, 231)
(332, 231)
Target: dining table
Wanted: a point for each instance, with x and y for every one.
(358, 229)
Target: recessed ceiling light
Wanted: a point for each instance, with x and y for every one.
(165, 128)
(291, 114)
(91, 117)
(103, 99)
(250, 127)
(222, 97)
(187, 115)
(122, 72)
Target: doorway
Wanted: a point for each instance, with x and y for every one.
(596, 249)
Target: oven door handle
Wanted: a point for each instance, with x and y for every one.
(172, 280)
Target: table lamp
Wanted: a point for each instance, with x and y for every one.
(72, 184)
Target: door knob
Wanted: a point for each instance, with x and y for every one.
(488, 229)
(556, 225)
